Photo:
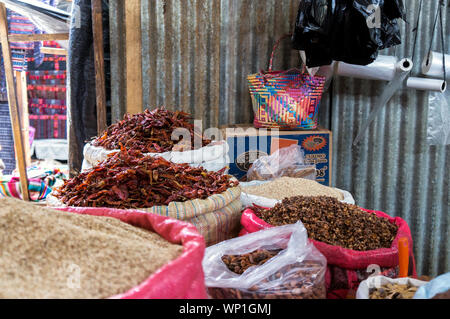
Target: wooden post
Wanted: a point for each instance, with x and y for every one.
(97, 30)
(12, 101)
(22, 99)
(133, 47)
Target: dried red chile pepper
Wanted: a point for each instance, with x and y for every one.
(127, 179)
(330, 221)
(149, 132)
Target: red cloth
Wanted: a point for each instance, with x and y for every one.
(182, 278)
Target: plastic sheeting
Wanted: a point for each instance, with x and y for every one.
(45, 17)
(438, 128)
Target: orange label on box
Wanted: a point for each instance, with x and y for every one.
(278, 143)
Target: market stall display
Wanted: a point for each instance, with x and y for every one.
(117, 255)
(128, 179)
(277, 263)
(350, 237)
(151, 132)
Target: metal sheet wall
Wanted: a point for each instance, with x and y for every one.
(393, 169)
(197, 54)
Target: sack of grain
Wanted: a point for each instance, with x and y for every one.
(348, 267)
(97, 253)
(217, 218)
(269, 193)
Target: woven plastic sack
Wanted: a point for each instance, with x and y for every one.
(181, 278)
(347, 267)
(216, 218)
(285, 100)
(212, 157)
(297, 271)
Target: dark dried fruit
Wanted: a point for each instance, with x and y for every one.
(127, 179)
(330, 221)
(240, 263)
(150, 132)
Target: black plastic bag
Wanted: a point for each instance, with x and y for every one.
(340, 30)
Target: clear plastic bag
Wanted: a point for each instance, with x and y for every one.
(438, 128)
(296, 272)
(287, 161)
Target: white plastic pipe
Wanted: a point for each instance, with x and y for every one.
(426, 84)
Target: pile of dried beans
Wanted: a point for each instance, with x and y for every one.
(127, 179)
(150, 132)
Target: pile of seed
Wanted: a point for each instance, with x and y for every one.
(51, 254)
(393, 291)
(290, 186)
(330, 221)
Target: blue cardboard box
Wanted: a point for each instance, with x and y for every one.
(247, 143)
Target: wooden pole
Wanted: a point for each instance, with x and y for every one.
(12, 101)
(97, 30)
(38, 37)
(22, 99)
(133, 48)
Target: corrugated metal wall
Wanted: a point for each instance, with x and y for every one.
(393, 169)
(196, 55)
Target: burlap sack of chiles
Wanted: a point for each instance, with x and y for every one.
(216, 217)
(347, 268)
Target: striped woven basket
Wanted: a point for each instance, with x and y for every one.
(287, 100)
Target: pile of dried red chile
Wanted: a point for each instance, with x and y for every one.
(150, 132)
(330, 221)
(127, 179)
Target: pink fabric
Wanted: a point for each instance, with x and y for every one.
(182, 278)
(344, 257)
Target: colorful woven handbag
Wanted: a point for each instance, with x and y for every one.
(287, 100)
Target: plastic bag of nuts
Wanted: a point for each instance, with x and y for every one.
(277, 263)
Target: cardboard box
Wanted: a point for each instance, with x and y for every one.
(247, 143)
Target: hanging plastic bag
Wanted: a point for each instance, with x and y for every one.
(348, 31)
(438, 128)
(181, 278)
(296, 272)
(287, 161)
